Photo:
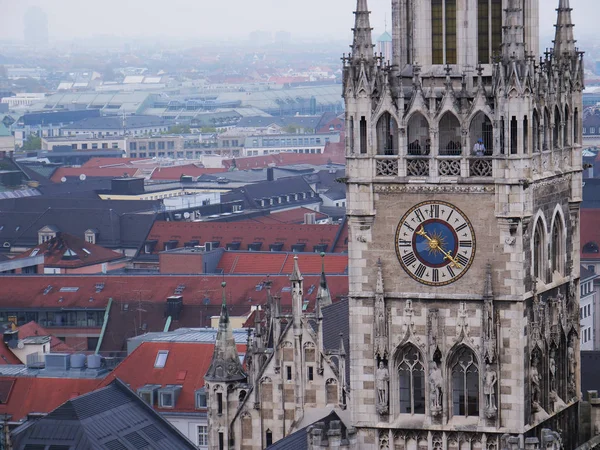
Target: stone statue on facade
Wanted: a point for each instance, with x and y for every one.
(383, 380)
(536, 388)
(489, 390)
(572, 362)
(552, 370)
(436, 384)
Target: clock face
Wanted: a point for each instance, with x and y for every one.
(435, 243)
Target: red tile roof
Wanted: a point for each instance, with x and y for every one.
(248, 232)
(69, 252)
(42, 395)
(33, 329)
(185, 366)
(93, 291)
(280, 263)
(295, 215)
(175, 173)
(99, 172)
(590, 231)
(6, 355)
(108, 162)
(333, 153)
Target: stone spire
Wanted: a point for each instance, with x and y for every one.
(564, 41)
(323, 295)
(297, 297)
(513, 42)
(362, 46)
(225, 366)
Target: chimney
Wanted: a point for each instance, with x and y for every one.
(310, 218)
(11, 338)
(270, 174)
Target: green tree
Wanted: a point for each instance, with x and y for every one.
(33, 142)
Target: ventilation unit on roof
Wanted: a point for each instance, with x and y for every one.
(99, 287)
(179, 289)
(47, 290)
(311, 289)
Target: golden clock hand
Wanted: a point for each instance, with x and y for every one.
(435, 245)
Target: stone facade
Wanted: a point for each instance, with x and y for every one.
(491, 359)
(288, 372)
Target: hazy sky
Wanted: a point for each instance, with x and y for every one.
(223, 18)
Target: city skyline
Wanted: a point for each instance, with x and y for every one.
(67, 19)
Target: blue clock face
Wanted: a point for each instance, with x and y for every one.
(435, 243)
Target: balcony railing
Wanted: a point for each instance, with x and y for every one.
(449, 167)
(481, 167)
(387, 167)
(417, 167)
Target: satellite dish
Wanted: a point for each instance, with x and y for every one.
(21, 345)
(186, 215)
(63, 179)
(82, 177)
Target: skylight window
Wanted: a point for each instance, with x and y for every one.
(69, 289)
(35, 252)
(86, 251)
(161, 359)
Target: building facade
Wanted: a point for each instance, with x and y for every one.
(464, 184)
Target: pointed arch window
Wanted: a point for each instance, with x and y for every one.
(538, 251)
(481, 128)
(558, 246)
(591, 247)
(450, 135)
(411, 378)
(556, 135)
(576, 126)
(443, 31)
(567, 129)
(535, 132)
(465, 383)
(418, 135)
(387, 135)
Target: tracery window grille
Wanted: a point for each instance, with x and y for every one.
(443, 31)
(465, 383)
(536, 132)
(450, 136)
(411, 377)
(556, 136)
(418, 135)
(566, 129)
(387, 135)
(489, 29)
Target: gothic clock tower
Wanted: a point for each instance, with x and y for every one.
(464, 183)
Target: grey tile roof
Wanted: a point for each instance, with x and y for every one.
(336, 321)
(116, 123)
(113, 417)
(283, 121)
(299, 439)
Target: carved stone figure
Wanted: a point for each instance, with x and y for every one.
(572, 366)
(383, 379)
(436, 382)
(536, 390)
(552, 369)
(489, 390)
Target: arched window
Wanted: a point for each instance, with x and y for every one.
(556, 135)
(590, 247)
(558, 247)
(538, 251)
(535, 130)
(566, 129)
(443, 31)
(465, 383)
(481, 128)
(418, 135)
(546, 128)
(576, 126)
(387, 135)
(411, 378)
(450, 138)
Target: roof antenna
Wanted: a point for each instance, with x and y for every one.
(385, 23)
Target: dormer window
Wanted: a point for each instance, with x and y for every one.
(167, 396)
(91, 236)
(201, 398)
(46, 233)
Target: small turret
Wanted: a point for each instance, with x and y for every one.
(323, 295)
(362, 46)
(564, 42)
(225, 365)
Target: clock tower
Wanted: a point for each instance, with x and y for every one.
(464, 184)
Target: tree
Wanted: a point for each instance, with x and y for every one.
(33, 142)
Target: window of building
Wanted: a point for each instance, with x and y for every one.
(592, 130)
(133, 146)
(363, 135)
(387, 135)
(558, 250)
(202, 435)
(443, 31)
(450, 135)
(147, 397)
(465, 383)
(538, 252)
(219, 403)
(161, 359)
(166, 400)
(201, 398)
(288, 372)
(411, 378)
(489, 29)
(221, 441)
(311, 374)
(269, 438)
(590, 247)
